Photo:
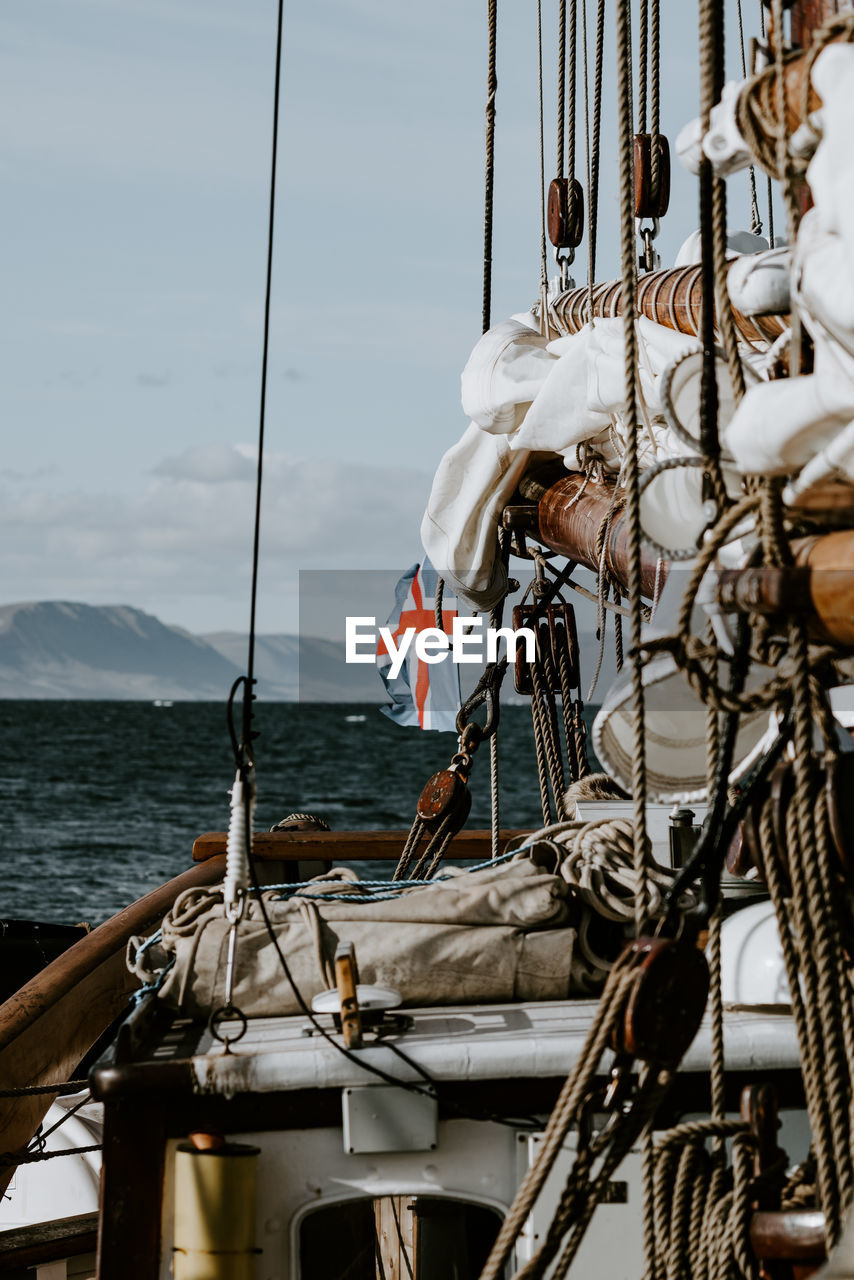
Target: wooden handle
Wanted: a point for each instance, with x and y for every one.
(346, 979)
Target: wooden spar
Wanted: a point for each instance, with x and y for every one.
(820, 587)
(571, 514)
(672, 298)
(757, 102)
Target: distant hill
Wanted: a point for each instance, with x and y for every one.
(59, 649)
(305, 667)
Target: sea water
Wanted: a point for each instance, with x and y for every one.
(102, 800)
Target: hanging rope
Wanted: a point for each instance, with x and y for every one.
(643, 64)
(631, 418)
(592, 135)
(755, 219)
(784, 166)
(711, 212)
(567, 1109)
(655, 99)
(489, 175)
(572, 86)
(768, 183)
(544, 268)
(561, 85)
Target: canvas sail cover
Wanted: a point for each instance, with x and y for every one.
(496, 934)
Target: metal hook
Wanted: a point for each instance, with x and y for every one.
(649, 260)
(564, 259)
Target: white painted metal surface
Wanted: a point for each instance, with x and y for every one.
(466, 1043)
(381, 1118)
(62, 1187)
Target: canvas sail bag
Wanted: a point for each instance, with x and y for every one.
(500, 933)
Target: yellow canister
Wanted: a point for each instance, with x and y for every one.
(215, 1195)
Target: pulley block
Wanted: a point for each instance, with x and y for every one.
(645, 205)
(557, 641)
(445, 795)
(565, 213)
(666, 1000)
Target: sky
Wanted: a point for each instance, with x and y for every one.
(134, 159)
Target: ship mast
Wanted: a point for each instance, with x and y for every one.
(569, 513)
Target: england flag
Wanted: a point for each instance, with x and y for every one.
(423, 694)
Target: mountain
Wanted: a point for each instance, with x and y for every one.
(301, 667)
(58, 649)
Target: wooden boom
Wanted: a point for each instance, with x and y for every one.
(672, 298)
(819, 587)
(571, 514)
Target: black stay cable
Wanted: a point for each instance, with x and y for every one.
(249, 696)
(243, 749)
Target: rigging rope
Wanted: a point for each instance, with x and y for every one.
(655, 99)
(631, 417)
(592, 141)
(643, 62)
(489, 176)
(571, 88)
(755, 219)
(561, 85)
(544, 269)
(768, 183)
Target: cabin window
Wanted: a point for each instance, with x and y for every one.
(393, 1237)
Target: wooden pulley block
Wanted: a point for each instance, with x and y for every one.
(563, 634)
(445, 795)
(565, 213)
(839, 794)
(523, 616)
(666, 1000)
(645, 206)
(555, 628)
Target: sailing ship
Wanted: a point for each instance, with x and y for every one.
(621, 1045)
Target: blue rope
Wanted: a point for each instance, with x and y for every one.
(149, 942)
(152, 988)
(378, 890)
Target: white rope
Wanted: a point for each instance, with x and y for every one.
(237, 847)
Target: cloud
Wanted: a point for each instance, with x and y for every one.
(188, 534)
(146, 379)
(207, 464)
(29, 473)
